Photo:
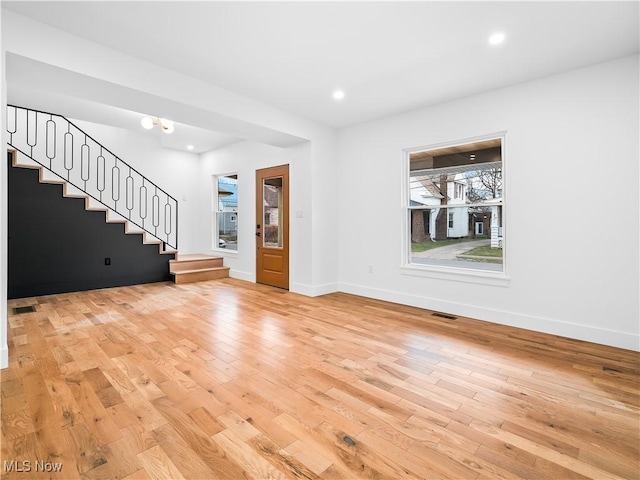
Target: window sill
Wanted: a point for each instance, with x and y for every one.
(228, 253)
(457, 275)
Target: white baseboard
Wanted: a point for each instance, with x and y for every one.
(602, 336)
(246, 276)
(313, 291)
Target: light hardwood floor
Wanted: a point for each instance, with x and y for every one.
(228, 379)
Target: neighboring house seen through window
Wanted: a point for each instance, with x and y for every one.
(455, 206)
(226, 212)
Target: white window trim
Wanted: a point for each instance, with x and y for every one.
(215, 212)
(458, 274)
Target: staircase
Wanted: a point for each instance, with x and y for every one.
(64, 154)
(90, 204)
(196, 268)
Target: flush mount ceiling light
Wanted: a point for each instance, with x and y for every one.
(496, 38)
(165, 125)
(338, 95)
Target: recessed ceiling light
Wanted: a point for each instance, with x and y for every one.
(496, 38)
(190, 147)
(338, 95)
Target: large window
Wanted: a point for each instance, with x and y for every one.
(455, 207)
(226, 212)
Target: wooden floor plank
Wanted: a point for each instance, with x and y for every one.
(228, 379)
(246, 457)
(186, 460)
(158, 465)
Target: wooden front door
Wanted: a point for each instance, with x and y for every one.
(272, 226)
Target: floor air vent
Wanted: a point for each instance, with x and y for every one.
(444, 315)
(20, 310)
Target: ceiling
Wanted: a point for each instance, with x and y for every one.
(388, 57)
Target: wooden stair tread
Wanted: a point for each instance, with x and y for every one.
(196, 270)
(193, 257)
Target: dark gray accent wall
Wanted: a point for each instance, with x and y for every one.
(56, 246)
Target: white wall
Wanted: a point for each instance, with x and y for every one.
(325, 235)
(570, 139)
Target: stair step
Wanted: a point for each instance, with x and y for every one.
(190, 257)
(200, 275)
(194, 262)
(197, 268)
